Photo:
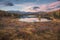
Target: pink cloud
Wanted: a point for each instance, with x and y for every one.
(42, 7)
(52, 5)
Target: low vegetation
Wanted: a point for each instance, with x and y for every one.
(12, 29)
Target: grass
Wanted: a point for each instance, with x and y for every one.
(12, 29)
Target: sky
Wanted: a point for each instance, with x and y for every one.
(29, 5)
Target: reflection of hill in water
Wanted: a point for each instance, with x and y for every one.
(28, 16)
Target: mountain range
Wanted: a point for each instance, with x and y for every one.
(22, 12)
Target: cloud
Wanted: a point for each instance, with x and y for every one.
(58, 0)
(28, 7)
(36, 8)
(33, 7)
(9, 4)
(52, 5)
(6, 4)
(42, 7)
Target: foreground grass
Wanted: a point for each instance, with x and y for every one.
(11, 29)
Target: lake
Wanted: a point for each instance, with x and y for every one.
(32, 18)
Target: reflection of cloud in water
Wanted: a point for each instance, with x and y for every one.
(33, 20)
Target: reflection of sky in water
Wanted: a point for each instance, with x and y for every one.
(33, 20)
